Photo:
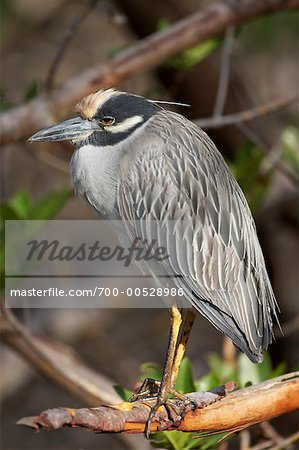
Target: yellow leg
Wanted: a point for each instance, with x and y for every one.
(181, 347)
(176, 322)
(165, 387)
(175, 353)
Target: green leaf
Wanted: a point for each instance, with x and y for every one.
(175, 440)
(50, 205)
(221, 369)
(265, 368)
(5, 103)
(20, 203)
(279, 370)
(247, 371)
(185, 382)
(7, 213)
(151, 370)
(32, 91)
(211, 442)
(178, 440)
(162, 24)
(124, 393)
(112, 52)
(246, 169)
(194, 55)
(206, 382)
(290, 148)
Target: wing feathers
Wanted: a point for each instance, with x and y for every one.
(201, 216)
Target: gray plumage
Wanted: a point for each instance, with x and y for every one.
(167, 181)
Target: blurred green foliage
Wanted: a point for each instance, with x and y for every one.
(266, 32)
(290, 148)
(186, 59)
(5, 103)
(32, 91)
(124, 393)
(193, 55)
(246, 168)
(244, 373)
(21, 207)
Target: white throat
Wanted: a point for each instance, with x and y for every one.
(94, 174)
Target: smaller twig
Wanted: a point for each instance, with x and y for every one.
(271, 433)
(68, 36)
(270, 156)
(265, 445)
(286, 442)
(224, 72)
(248, 114)
(229, 353)
(290, 327)
(245, 440)
(282, 444)
(73, 28)
(55, 162)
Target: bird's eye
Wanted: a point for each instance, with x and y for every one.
(106, 121)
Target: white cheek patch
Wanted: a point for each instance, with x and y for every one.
(126, 125)
(83, 136)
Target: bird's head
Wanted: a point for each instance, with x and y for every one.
(104, 118)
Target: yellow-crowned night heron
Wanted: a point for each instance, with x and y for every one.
(163, 177)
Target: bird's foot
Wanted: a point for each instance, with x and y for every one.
(150, 395)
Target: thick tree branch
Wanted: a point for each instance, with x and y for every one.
(216, 411)
(20, 122)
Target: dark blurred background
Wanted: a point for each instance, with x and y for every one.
(263, 66)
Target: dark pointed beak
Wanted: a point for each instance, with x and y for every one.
(68, 130)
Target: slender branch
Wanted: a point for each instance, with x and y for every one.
(18, 123)
(270, 432)
(248, 114)
(290, 327)
(217, 410)
(244, 440)
(224, 72)
(286, 442)
(58, 362)
(273, 160)
(68, 36)
(240, 120)
(70, 32)
(53, 161)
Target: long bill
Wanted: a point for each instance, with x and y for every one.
(68, 130)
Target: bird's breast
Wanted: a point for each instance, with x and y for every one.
(94, 174)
